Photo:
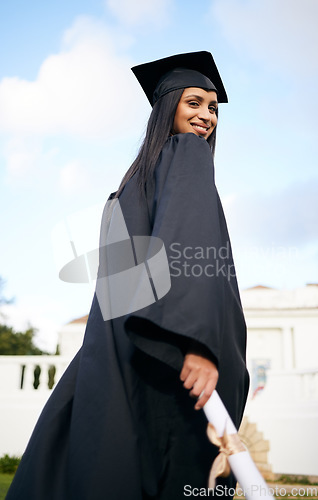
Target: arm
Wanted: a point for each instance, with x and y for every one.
(186, 213)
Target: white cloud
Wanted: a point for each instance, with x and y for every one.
(21, 156)
(288, 217)
(26, 161)
(274, 236)
(280, 33)
(153, 13)
(85, 90)
(74, 177)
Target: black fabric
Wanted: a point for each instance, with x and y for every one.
(180, 78)
(119, 424)
(180, 451)
(151, 74)
(186, 212)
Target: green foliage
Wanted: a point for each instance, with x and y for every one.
(294, 479)
(5, 481)
(18, 343)
(8, 465)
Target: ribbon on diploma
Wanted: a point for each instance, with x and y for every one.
(228, 444)
(232, 451)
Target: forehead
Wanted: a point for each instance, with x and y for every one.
(209, 95)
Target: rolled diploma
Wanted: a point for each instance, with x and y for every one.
(252, 483)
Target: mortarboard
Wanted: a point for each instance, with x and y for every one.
(193, 69)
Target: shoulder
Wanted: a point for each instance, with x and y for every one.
(185, 152)
(187, 140)
(185, 167)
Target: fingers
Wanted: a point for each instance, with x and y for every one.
(190, 380)
(199, 386)
(184, 372)
(200, 375)
(207, 393)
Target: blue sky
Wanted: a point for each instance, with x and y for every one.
(72, 116)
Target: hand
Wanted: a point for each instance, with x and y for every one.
(199, 374)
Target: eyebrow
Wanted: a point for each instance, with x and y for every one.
(199, 98)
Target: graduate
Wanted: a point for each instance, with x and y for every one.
(125, 421)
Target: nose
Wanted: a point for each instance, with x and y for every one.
(204, 114)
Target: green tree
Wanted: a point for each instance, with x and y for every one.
(12, 342)
(18, 343)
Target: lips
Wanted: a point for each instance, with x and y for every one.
(202, 129)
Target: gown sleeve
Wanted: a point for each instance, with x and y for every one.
(187, 215)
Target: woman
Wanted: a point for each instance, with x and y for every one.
(120, 423)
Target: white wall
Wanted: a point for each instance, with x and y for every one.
(71, 338)
(20, 408)
(286, 411)
(18, 416)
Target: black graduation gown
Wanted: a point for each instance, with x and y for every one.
(120, 410)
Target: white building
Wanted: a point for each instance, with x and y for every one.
(282, 356)
(281, 423)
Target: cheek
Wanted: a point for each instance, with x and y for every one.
(179, 121)
(175, 124)
(214, 121)
(214, 124)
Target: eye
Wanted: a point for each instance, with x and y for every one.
(212, 108)
(193, 103)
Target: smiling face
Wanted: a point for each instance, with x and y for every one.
(196, 112)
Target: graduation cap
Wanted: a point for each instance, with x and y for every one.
(193, 69)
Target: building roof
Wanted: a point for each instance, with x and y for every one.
(260, 297)
(264, 297)
(82, 319)
(259, 287)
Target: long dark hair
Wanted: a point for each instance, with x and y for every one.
(158, 130)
